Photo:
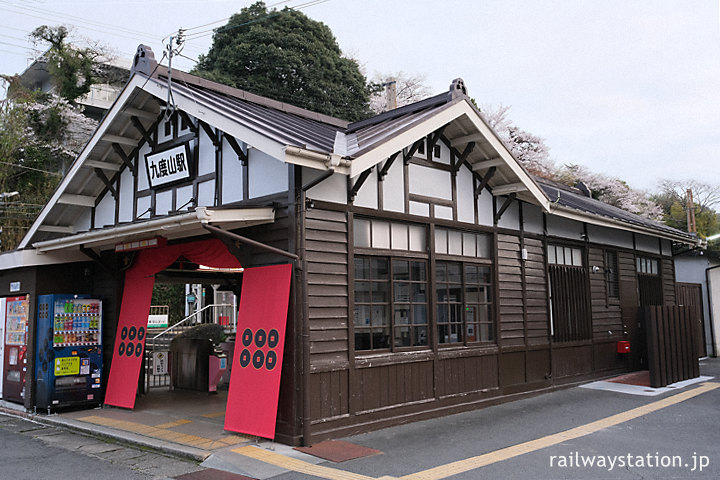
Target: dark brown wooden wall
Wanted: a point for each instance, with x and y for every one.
(327, 264)
(510, 291)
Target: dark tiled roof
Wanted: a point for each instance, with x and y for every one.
(281, 122)
(566, 197)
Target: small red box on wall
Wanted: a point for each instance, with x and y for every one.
(623, 346)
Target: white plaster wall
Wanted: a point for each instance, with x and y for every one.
(161, 133)
(465, 196)
(532, 218)
(182, 196)
(394, 188)
(143, 203)
(607, 236)
(105, 211)
(367, 196)
(443, 212)
(511, 217)
(444, 154)
(666, 246)
(206, 194)
(332, 189)
(143, 183)
(646, 243)
(82, 224)
(485, 209)
(429, 182)
(126, 196)
(232, 175)
(163, 203)
(206, 157)
(267, 175)
(417, 208)
(564, 227)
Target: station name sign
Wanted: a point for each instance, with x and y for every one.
(168, 166)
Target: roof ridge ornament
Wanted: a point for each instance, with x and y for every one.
(144, 61)
(457, 87)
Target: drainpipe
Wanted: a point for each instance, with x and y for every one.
(713, 342)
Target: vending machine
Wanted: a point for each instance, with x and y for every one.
(68, 363)
(15, 362)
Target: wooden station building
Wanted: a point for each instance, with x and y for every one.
(434, 274)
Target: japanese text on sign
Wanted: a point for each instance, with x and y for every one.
(67, 366)
(168, 166)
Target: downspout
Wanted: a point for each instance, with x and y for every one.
(713, 342)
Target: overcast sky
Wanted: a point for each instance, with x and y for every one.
(629, 88)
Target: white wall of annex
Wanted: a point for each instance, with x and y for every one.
(564, 228)
(645, 243)
(266, 175)
(609, 236)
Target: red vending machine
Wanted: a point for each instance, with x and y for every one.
(15, 361)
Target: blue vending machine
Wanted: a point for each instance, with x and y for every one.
(68, 361)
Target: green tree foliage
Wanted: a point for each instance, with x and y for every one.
(172, 295)
(286, 56)
(72, 69)
(673, 200)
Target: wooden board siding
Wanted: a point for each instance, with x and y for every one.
(327, 253)
(330, 394)
(668, 277)
(606, 315)
(466, 375)
(536, 296)
(393, 385)
(510, 289)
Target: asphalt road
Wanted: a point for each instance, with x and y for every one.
(33, 451)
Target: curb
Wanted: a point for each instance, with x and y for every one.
(99, 431)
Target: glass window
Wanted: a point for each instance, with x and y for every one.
(371, 233)
(361, 233)
(611, 274)
(390, 303)
(380, 234)
(476, 245)
(463, 303)
(569, 256)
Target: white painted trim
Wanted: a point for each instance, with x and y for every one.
(115, 167)
(79, 200)
(509, 188)
(131, 142)
(176, 223)
(31, 258)
(129, 90)
(592, 219)
(217, 120)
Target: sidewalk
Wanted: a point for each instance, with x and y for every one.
(503, 440)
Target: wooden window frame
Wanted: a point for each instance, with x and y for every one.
(464, 304)
(393, 304)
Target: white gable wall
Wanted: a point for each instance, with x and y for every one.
(266, 175)
(126, 192)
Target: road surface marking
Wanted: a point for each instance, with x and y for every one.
(472, 463)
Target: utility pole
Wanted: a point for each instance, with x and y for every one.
(692, 228)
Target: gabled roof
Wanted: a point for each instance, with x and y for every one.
(298, 136)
